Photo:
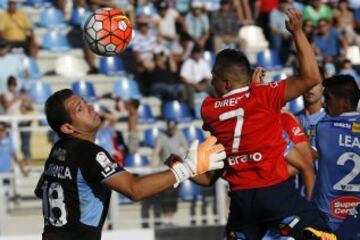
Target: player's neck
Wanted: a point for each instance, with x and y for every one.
(87, 136)
(313, 108)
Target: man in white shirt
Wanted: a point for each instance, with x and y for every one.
(195, 74)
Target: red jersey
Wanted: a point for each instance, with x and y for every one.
(292, 127)
(247, 122)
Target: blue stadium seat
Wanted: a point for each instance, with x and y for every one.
(126, 89)
(199, 98)
(357, 15)
(84, 89)
(32, 68)
(51, 17)
(38, 3)
(296, 105)
(78, 16)
(150, 136)
(269, 59)
(55, 41)
(145, 114)
(175, 110)
(136, 160)
(112, 66)
(191, 133)
(189, 191)
(39, 91)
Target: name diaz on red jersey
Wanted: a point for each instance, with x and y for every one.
(247, 122)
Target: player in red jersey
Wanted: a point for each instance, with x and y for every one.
(245, 118)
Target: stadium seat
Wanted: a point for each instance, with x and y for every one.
(78, 16)
(71, 66)
(55, 41)
(112, 66)
(136, 160)
(269, 59)
(150, 136)
(199, 98)
(189, 191)
(145, 114)
(175, 110)
(84, 89)
(353, 54)
(39, 91)
(51, 17)
(296, 105)
(126, 89)
(31, 68)
(357, 15)
(192, 133)
(254, 37)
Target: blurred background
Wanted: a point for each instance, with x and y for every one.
(149, 97)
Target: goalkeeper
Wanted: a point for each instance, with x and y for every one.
(79, 175)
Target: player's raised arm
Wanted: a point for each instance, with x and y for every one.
(208, 156)
(309, 74)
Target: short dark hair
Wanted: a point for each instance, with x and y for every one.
(230, 62)
(11, 81)
(55, 110)
(343, 86)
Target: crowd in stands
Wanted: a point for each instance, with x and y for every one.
(171, 56)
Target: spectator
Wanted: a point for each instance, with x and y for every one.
(328, 42)
(143, 43)
(18, 103)
(132, 106)
(160, 80)
(262, 12)
(13, 62)
(166, 21)
(316, 11)
(345, 23)
(280, 37)
(172, 141)
(225, 26)
(196, 75)
(347, 69)
(197, 24)
(309, 30)
(8, 152)
(15, 27)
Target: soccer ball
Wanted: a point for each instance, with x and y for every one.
(107, 31)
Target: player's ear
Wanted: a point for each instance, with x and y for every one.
(67, 128)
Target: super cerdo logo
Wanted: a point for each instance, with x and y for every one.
(344, 206)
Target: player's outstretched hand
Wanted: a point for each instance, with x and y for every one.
(209, 156)
(294, 23)
(258, 75)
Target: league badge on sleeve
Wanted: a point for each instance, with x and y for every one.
(105, 163)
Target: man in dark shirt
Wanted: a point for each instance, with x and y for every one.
(79, 175)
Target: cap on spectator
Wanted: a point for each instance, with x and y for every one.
(196, 4)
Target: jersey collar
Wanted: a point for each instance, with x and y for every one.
(235, 91)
